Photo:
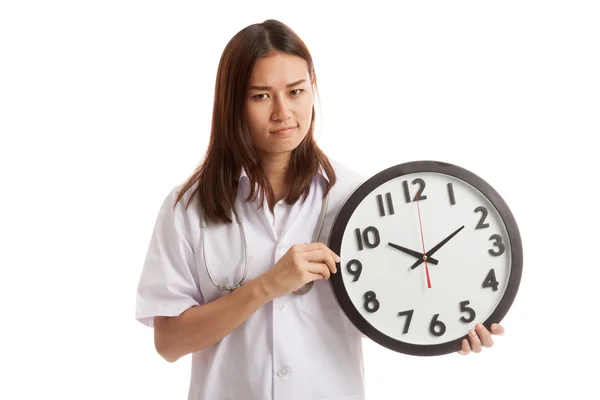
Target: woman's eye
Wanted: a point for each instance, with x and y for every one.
(260, 96)
(296, 92)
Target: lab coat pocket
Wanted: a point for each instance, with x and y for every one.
(320, 300)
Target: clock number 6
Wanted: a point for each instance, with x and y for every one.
(371, 299)
(436, 327)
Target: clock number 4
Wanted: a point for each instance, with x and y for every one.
(490, 281)
(419, 195)
(371, 241)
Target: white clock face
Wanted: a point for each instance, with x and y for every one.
(416, 300)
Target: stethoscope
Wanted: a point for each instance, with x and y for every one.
(226, 287)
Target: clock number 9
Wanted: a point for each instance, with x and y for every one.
(355, 273)
(371, 298)
(436, 327)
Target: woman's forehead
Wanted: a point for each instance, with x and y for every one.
(279, 71)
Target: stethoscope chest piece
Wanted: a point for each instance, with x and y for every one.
(304, 289)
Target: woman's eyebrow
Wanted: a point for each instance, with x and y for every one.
(269, 87)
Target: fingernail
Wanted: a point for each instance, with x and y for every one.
(337, 259)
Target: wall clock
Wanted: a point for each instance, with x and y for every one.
(428, 249)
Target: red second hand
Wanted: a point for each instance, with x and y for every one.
(423, 243)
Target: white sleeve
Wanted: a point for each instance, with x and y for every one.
(168, 283)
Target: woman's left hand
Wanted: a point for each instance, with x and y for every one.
(480, 337)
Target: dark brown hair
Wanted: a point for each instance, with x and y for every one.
(230, 147)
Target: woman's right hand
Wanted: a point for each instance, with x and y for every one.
(301, 264)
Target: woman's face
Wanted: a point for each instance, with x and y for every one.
(279, 104)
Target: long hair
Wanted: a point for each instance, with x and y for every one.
(230, 148)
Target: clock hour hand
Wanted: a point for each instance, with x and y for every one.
(413, 253)
(436, 248)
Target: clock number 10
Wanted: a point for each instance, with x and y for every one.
(370, 238)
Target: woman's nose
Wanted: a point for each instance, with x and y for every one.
(281, 110)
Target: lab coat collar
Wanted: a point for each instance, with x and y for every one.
(322, 173)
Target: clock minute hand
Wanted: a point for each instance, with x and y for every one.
(436, 247)
(416, 254)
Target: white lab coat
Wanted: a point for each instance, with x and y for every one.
(293, 348)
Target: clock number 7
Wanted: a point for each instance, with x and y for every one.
(408, 314)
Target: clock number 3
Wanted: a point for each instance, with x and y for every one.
(371, 302)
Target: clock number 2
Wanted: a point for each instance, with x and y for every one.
(371, 303)
(368, 241)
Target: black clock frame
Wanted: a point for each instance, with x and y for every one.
(339, 226)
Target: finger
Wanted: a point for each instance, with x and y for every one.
(465, 348)
(318, 268)
(475, 342)
(497, 329)
(484, 335)
(324, 247)
(322, 256)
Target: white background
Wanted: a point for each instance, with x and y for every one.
(104, 106)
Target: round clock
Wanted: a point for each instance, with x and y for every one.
(428, 249)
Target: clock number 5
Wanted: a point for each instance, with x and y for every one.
(464, 307)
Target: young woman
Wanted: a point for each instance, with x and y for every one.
(236, 271)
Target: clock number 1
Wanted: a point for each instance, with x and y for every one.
(368, 241)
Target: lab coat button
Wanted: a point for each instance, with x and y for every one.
(284, 371)
(283, 307)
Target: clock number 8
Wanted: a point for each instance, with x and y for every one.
(371, 298)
